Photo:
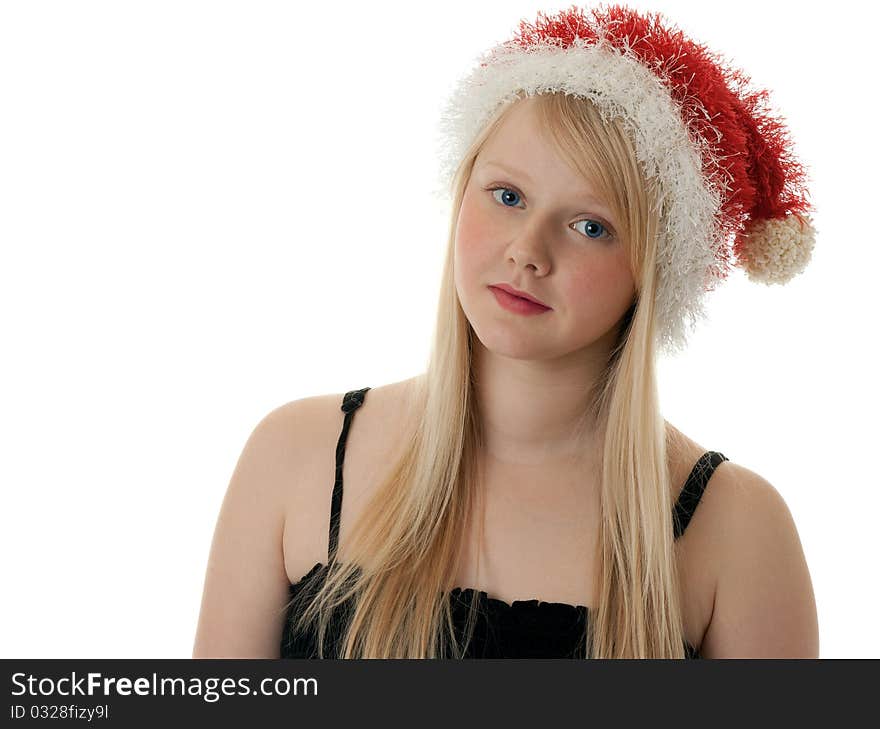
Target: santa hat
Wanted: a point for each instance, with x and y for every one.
(731, 191)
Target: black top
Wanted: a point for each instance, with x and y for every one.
(522, 629)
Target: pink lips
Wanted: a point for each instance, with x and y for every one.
(515, 304)
(521, 294)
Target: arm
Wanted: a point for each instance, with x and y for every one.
(764, 601)
(246, 584)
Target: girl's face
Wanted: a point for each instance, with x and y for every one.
(530, 221)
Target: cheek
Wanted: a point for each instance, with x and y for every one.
(473, 249)
(600, 288)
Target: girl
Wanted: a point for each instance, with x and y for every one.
(524, 497)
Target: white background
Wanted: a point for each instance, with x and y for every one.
(208, 209)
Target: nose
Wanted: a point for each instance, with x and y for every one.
(527, 250)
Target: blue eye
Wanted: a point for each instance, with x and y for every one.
(594, 228)
(591, 226)
(507, 193)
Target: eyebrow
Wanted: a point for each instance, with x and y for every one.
(517, 173)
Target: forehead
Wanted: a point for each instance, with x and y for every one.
(520, 149)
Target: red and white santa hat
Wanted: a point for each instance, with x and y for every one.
(729, 184)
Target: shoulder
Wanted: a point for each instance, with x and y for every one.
(310, 426)
(304, 435)
(278, 456)
(246, 579)
(318, 414)
(293, 421)
(764, 604)
(300, 427)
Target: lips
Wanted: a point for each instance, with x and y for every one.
(517, 305)
(520, 294)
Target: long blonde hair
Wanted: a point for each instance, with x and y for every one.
(393, 592)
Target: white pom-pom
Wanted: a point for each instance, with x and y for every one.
(778, 249)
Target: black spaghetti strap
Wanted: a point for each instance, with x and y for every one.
(693, 489)
(350, 402)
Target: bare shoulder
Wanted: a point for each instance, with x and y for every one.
(375, 436)
(314, 423)
(246, 582)
(312, 418)
(298, 421)
(306, 430)
(764, 605)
